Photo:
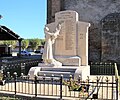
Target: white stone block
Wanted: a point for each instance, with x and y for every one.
(83, 72)
(34, 72)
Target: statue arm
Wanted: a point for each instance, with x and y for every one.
(47, 32)
(58, 28)
(55, 35)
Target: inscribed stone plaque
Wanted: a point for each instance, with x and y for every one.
(83, 42)
(66, 42)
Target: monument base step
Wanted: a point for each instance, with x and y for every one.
(60, 69)
(66, 71)
(55, 74)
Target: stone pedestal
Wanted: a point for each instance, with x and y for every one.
(66, 71)
(83, 71)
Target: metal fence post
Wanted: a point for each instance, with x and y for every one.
(95, 96)
(44, 82)
(88, 84)
(97, 85)
(8, 76)
(79, 79)
(35, 86)
(52, 82)
(117, 89)
(61, 78)
(15, 79)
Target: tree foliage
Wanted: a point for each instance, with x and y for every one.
(11, 43)
(1, 42)
(34, 43)
(42, 41)
(25, 44)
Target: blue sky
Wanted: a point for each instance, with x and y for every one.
(25, 17)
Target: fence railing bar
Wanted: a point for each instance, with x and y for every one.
(94, 88)
(35, 86)
(48, 87)
(61, 79)
(112, 87)
(15, 79)
(117, 89)
(100, 84)
(40, 86)
(107, 87)
(52, 83)
(56, 87)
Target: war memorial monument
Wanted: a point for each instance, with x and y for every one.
(66, 47)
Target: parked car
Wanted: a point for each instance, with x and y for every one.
(37, 51)
(25, 53)
(40, 51)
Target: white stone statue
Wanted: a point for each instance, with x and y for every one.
(49, 41)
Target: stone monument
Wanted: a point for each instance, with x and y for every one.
(70, 48)
(73, 38)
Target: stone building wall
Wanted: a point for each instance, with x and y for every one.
(94, 12)
(53, 6)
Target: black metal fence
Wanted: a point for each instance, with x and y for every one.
(102, 68)
(103, 88)
(23, 66)
(19, 66)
